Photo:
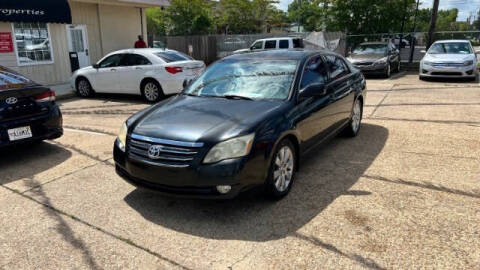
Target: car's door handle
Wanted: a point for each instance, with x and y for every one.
(113, 69)
(138, 68)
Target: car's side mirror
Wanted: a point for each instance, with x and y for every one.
(96, 66)
(423, 51)
(312, 90)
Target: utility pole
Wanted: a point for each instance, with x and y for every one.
(299, 14)
(433, 23)
(413, 39)
(403, 25)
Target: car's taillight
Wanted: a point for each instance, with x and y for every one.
(46, 97)
(173, 70)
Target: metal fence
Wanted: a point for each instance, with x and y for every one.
(412, 44)
(211, 47)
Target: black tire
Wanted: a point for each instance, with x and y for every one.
(152, 91)
(354, 127)
(388, 71)
(422, 78)
(272, 188)
(84, 88)
(398, 66)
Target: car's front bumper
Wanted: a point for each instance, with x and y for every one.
(44, 127)
(449, 72)
(373, 68)
(195, 181)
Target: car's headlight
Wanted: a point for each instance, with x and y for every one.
(382, 60)
(122, 137)
(233, 148)
(468, 63)
(427, 63)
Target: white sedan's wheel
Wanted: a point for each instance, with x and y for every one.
(84, 88)
(151, 91)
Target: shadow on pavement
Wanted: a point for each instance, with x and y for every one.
(25, 161)
(325, 174)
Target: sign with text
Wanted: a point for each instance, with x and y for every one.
(6, 44)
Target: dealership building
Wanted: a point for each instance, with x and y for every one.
(47, 39)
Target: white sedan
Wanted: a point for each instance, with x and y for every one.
(449, 58)
(151, 73)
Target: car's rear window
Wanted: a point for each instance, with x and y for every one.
(169, 56)
(10, 79)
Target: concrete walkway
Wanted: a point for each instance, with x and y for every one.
(62, 91)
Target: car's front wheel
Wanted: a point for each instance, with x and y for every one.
(84, 88)
(388, 71)
(152, 91)
(282, 170)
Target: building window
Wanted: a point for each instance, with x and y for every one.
(33, 43)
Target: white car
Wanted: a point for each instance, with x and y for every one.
(450, 58)
(151, 73)
(274, 43)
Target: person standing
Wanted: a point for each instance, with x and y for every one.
(140, 43)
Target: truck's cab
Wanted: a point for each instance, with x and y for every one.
(274, 44)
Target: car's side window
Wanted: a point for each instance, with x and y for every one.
(270, 44)
(111, 61)
(257, 45)
(315, 72)
(336, 67)
(283, 44)
(135, 60)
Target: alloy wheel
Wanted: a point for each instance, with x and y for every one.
(284, 166)
(83, 88)
(356, 117)
(151, 91)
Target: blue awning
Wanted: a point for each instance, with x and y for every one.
(47, 11)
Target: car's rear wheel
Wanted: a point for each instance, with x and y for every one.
(398, 66)
(356, 119)
(152, 91)
(282, 170)
(84, 88)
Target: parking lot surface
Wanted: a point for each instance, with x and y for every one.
(403, 194)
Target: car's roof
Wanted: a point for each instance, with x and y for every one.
(452, 40)
(374, 43)
(286, 54)
(277, 38)
(144, 50)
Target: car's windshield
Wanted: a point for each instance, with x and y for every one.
(371, 49)
(450, 48)
(254, 79)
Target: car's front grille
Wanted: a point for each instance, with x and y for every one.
(447, 73)
(448, 64)
(363, 63)
(162, 152)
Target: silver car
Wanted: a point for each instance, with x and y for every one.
(450, 58)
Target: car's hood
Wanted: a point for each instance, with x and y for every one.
(241, 51)
(365, 57)
(448, 57)
(186, 118)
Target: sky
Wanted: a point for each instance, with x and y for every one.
(464, 6)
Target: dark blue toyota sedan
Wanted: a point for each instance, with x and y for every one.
(28, 112)
(243, 123)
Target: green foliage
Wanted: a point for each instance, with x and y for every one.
(248, 16)
(156, 21)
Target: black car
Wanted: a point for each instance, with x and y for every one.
(28, 112)
(245, 122)
(376, 58)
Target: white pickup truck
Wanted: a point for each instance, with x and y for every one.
(274, 44)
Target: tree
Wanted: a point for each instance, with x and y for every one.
(247, 16)
(189, 17)
(476, 23)
(156, 21)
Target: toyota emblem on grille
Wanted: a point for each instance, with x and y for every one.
(154, 151)
(11, 100)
